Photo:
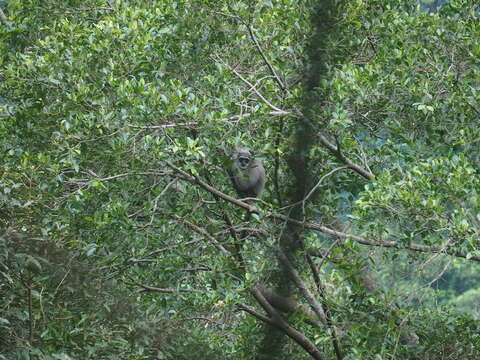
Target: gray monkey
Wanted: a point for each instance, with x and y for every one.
(247, 173)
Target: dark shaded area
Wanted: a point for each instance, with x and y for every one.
(303, 135)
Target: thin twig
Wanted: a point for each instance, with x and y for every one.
(257, 45)
(326, 253)
(163, 126)
(316, 307)
(326, 309)
(270, 67)
(155, 201)
(205, 233)
(254, 89)
(161, 290)
(321, 180)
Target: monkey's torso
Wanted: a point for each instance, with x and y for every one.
(251, 181)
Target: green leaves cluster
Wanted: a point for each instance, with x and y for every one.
(100, 94)
(435, 202)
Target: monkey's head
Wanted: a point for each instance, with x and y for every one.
(243, 158)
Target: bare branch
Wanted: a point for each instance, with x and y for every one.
(257, 45)
(335, 150)
(256, 314)
(91, 9)
(365, 241)
(287, 304)
(277, 321)
(326, 253)
(205, 233)
(270, 67)
(316, 307)
(201, 318)
(161, 290)
(244, 115)
(155, 201)
(321, 180)
(196, 180)
(254, 89)
(314, 304)
(250, 231)
(163, 126)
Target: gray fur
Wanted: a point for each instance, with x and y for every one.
(247, 173)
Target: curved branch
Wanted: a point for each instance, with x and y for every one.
(205, 233)
(321, 180)
(255, 90)
(211, 189)
(335, 150)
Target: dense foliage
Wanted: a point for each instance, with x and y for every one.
(118, 238)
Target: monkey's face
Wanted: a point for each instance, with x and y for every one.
(243, 162)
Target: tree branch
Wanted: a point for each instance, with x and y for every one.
(254, 89)
(321, 180)
(288, 305)
(161, 290)
(365, 241)
(335, 150)
(314, 304)
(321, 291)
(163, 126)
(270, 67)
(326, 230)
(276, 320)
(211, 189)
(205, 233)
